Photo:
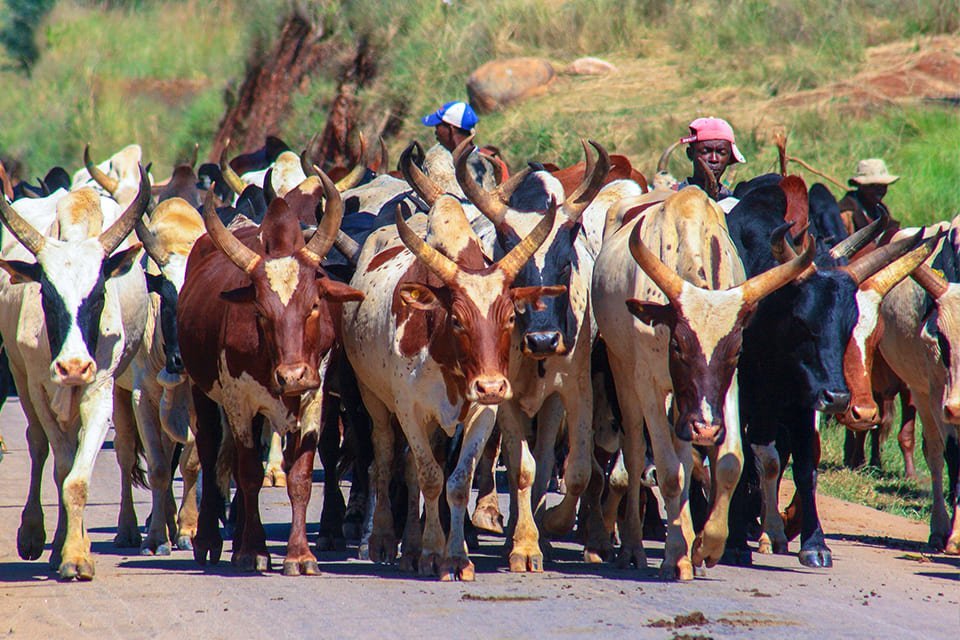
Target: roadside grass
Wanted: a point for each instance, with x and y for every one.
(887, 489)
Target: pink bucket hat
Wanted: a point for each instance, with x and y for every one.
(703, 129)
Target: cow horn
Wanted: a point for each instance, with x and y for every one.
(269, 193)
(307, 166)
(384, 161)
(194, 155)
(491, 206)
(321, 241)
(932, 282)
(102, 179)
(152, 244)
(359, 169)
(665, 156)
(349, 247)
(5, 181)
(860, 238)
(504, 191)
(513, 262)
(239, 254)
(763, 284)
(311, 151)
(426, 188)
(892, 274)
(666, 279)
(229, 175)
(442, 266)
(121, 228)
(22, 230)
(712, 186)
(593, 178)
(781, 248)
(866, 266)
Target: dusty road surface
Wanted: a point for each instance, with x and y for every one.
(880, 586)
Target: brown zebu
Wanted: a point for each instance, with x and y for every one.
(255, 349)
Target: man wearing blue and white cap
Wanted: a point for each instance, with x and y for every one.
(453, 123)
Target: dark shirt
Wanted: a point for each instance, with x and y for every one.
(723, 192)
(856, 215)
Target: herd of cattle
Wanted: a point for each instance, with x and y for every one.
(644, 335)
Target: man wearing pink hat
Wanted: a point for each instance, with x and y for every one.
(711, 140)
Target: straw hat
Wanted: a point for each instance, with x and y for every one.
(872, 171)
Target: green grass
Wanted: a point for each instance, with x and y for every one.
(887, 489)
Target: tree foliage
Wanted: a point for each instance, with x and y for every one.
(18, 30)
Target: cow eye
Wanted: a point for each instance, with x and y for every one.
(455, 321)
(511, 319)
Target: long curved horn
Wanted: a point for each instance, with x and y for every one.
(763, 284)
(5, 181)
(307, 166)
(239, 254)
(892, 274)
(780, 246)
(491, 206)
(229, 175)
(384, 160)
(359, 169)
(326, 234)
(269, 193)
(121, 228)
(593, 179)
(151, 244)
(713, 187)
(665, 156)
(22, 230)
(868, 265)
(348, 247)
(666, 279)
(102, 179)
(442, 266)
(860, 238)
(932, 282)
(513, 262)
(425, 187)
(194, 155)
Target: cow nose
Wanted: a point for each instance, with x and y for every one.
(175, 363)
(707, 434)
(542, 342)
(75, 371)
(491, 390)
(294, 379)
(829, 401)
(867, 415)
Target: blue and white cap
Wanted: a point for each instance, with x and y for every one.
(459, 114)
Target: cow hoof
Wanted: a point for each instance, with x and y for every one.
(274, 478)
(30, 541)
(352, 530)
(202, 547)
(699, 572)
(737, 557)
(152, 549)
(251, 562)
(301, 568)
(526, 561)
(458, 568)
(488, 518)
(330, 543)
(952, 548)
(429, 564)
(631, 557)
(682, 571)
(184, 544)
(409, 561)
(81, 570)
(383, 548)
(127, 538)
(816, 558)
(937, 542)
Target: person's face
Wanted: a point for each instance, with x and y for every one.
(872, 194)
(444, 133)
(718, 154)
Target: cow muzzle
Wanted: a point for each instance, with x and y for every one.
(73, 372)
(538, 344)
(294, 379)
(860, 417)
(951, 412)
(706, 434)
(489, 390)
(832, 401)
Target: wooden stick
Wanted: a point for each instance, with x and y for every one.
(819, 173)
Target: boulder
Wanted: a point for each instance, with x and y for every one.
(589, 67)
(501, 82)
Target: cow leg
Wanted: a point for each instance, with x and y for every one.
(273, 475)
(430, 479)
(31, 536)
(331, 537)
(933, 450)
(207, 540)
(382, 544)
(634, 456)
(158, 473)
(125, 446)
(578, 405)
(525, 554)
(952, 458)
(544, 452)
(411, 546)
(298, 458)
(773, 539)
(187, 516)
(597, 544)
(907, 436)
(251, 553)
(486, 515)
(617, 487)
(726, 464)
(814, 551)
(674, 460)
(854, 445)
(357, 438)
(456, 565)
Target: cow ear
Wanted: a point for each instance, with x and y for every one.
(533, 296)
(419, 297)
(651, 313)
(21, 272)
(243, 295)
(121, 262)
(338, 291)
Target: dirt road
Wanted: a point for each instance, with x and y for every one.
(880, 585)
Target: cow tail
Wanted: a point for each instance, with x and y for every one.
(225, 459)
(139, 472)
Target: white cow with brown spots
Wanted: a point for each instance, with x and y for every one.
(670, 298)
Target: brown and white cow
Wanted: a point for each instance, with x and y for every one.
(430, 346)
(678, 359)
(257, 317)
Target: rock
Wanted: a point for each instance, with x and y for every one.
(501, 82)
(589, 67)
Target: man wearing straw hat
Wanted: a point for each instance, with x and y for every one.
(865, 203)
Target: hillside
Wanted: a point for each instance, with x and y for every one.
(844, 79)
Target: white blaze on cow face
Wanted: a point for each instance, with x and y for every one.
(283, 275)
(868, 304)
(711, 314)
